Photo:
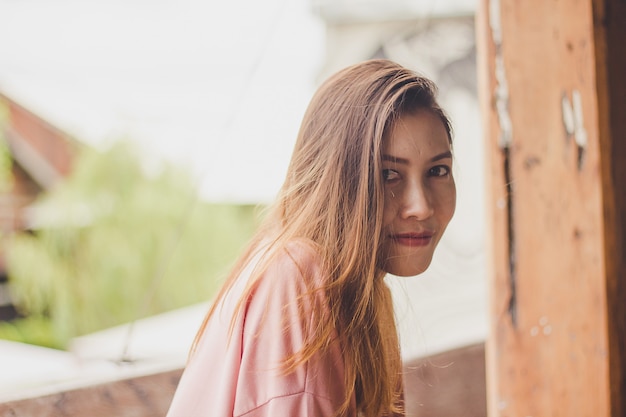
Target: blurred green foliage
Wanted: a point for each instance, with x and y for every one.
(115, 244)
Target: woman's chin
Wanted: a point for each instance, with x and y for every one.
(406, 268)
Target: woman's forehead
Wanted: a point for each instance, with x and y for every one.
(419, 130)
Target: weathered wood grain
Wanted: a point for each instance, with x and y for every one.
(556, 203)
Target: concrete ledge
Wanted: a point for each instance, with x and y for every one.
(448, 384)
(144, 396)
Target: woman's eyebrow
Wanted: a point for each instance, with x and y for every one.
(395, 159)
(391, 158)
(443, 155)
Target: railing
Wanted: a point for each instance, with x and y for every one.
(448, 384)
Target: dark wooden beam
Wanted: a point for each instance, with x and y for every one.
(610, 35)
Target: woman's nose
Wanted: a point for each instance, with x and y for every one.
(417, 203)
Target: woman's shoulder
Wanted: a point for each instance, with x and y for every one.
(297, 265)
(304, 253)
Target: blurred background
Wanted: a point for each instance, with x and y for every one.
(140, 141)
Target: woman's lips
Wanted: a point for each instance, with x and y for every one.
(413, 239)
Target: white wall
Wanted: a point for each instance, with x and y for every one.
(445, 307)
(216, 86)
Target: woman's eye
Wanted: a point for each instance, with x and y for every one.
(439, 171)
(390, 175)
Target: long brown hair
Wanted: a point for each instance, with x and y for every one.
(333, 197)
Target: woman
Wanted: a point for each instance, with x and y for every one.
(304, 326)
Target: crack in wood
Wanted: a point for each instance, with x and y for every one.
(501, 102)
(512, 304)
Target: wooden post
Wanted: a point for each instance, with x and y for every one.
(553, 94)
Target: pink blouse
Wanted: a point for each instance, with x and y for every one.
(240, 375)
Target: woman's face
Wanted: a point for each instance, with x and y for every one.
(420, 195)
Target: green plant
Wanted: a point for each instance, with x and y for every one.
(114, 245)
